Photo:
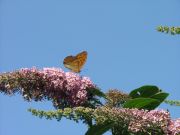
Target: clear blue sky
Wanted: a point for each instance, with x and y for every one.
(124, 50)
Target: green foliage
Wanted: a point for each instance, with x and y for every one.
(171, 30)
(161, 96)
(99, 129)
(94, 95)
(144, 91)
(146, 97)
(141, 103)
(173, 102)
(75, 114)
(96, 92)
(52, 114)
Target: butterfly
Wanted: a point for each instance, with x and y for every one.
(75, 63)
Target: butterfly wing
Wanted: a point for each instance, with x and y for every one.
(69, 62)
(75, 63)
(81, 57)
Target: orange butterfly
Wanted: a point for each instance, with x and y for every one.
(75, 63)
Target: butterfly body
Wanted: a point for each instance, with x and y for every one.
(75, 63)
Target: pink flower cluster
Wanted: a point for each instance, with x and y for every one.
(174, 127)
(144, 120)
(139, 121)
(65, 89)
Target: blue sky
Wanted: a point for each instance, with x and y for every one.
(124, 50)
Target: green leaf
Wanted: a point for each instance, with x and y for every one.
(97, 92)
(161, 96)
(99, 129)
(142, 103)
(144, 91)
(150, 96)
(149, 103)
(94, 100)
